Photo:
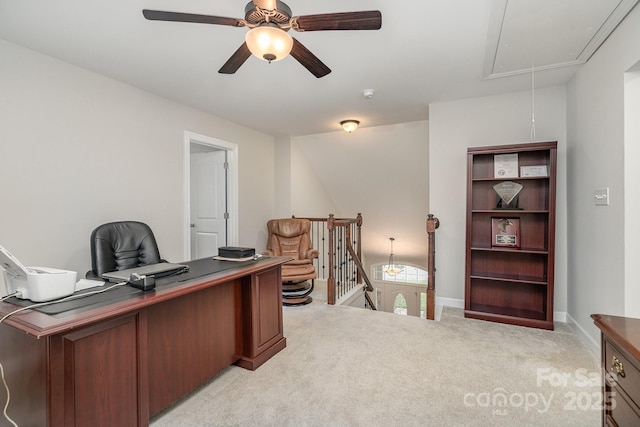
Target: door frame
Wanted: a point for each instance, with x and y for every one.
(232, 186)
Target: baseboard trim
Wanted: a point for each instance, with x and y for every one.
(350, 296)
(558, 316)
(450, 302)
(584, 337)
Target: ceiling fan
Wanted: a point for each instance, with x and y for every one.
(269, 22)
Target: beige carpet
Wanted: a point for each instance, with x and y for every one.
(346, 366)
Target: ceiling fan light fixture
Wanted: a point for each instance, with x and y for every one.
(349, 125)
(269, 43)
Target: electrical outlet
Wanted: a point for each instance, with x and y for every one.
(601, 196)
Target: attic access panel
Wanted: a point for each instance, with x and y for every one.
(548, 34)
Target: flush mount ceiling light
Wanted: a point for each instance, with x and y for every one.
(349, 125)
(392, 269)
(268, 42)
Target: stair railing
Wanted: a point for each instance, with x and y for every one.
(339, 262)
(338, 241)
(353, 257)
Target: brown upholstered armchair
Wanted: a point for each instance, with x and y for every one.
(290, 237)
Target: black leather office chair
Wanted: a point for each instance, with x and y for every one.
(121, 245)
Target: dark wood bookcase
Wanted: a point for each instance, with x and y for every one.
(511, 283)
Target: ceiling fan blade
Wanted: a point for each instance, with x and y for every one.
(160, 15)
(237, 59)
(265, 4)
(309, 60)
(367, 20)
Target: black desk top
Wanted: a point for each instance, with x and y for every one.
(197, 268)
(39, 324)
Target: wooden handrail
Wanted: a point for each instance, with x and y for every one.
(362, 274)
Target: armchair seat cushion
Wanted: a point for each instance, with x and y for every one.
(299, 262)
(298, 272)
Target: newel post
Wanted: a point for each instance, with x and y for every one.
(331, 281)
(432, 224)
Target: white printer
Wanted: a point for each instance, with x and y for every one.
(38, 284)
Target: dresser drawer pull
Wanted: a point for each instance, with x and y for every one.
(616, 366)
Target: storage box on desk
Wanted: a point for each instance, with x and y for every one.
(235, 252)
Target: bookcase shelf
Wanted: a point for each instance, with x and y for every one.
(522, 178)
(509, 275)
(516, 278)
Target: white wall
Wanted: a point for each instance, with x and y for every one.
(631, 193)
(495, 120)
(596, 153)
(381, 172)
(309, 196)
(79, 149)
(300, 192)
(282, 177)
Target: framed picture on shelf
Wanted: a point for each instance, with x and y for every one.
(505, 232)
(533, 171)
(505, 165)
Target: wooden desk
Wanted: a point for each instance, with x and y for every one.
(120, 364)
(620, 346)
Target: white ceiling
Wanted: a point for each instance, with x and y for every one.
(427, 51)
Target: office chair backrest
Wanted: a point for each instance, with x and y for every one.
(289, 237)
(122, 245)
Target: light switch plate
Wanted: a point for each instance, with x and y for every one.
(601, 196)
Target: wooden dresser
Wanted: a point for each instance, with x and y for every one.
(620, 344)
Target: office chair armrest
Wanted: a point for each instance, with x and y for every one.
(268, 252)
(312, 253)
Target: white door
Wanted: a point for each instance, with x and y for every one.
(208, 203)
(404, 294)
